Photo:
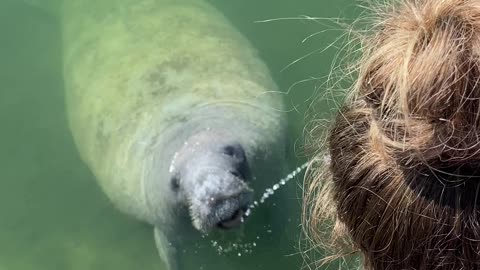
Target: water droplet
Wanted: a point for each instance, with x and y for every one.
(270, 191)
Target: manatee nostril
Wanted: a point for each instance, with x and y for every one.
(235, 151)
(175, 183)
(236, 174)
(239, 161)
(229, 150)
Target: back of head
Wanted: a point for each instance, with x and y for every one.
(404, 175)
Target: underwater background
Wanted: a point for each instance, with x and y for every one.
(53, 215)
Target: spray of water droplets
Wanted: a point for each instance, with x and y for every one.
(270, 191)
(247, 248)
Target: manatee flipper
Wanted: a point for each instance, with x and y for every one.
(167, 251)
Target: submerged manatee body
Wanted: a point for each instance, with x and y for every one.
(171, 108)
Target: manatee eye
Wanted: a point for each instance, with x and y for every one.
(175, 183)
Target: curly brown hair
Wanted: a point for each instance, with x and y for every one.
(402, 183)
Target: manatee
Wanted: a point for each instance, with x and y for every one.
(171, 108)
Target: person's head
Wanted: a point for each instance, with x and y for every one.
(402, 185)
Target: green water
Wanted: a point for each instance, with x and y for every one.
(53, 214)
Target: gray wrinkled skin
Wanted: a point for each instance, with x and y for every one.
(171, 108)
(212, 174)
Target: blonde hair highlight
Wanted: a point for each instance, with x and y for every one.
(403, 180)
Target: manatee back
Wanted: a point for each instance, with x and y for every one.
(136, 69)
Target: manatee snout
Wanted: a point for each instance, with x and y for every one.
(220, 201)
(222, 194)
(214, 178)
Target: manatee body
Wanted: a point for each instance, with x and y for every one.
(171, 108)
